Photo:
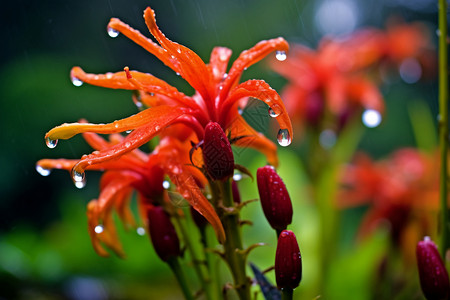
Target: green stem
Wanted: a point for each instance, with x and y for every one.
(443, 122)
(211, 265)
(234, 254)
(287, 293)
(176, 269)
(201, 272)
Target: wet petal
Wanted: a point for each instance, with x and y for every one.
(250, 57)
(218, 62)
(260, 90)
(190, 66)
(253, 139)
(155, 115)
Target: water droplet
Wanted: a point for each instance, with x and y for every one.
(179, 50)
(128, 131)
(371, 118)
(284, 138)
(274, 111)
(98, 229)
(280, 55)
(140, 231)
(79, 179)
(112, 32)
(43, 171)
(410, 70)
(127, 145)
(237, 176)
(166, 184)
(51, 143)
(327, 138)
(76, 81)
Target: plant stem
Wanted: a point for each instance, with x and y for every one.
(234, 254)
(443, 123)
(202, 274)
(287, 293)
(176, 268)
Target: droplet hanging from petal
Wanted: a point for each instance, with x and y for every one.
(98, 229)
(112, 32)
(79, 178)
(274, 111)
(51, 143)
(281, 55)
(284, 138)
(43, 171)
(76, 81)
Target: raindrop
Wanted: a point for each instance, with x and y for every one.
(327, 138)
(280, 55)
(43, 171)
(237, 176)
(371, 118)
(98, 229)
(140, 231)
(128, 131)
(166, 184)
(51, 143)
(284, 138)
(79, 179)
(112, 32)
(76, 81)
(274, 111)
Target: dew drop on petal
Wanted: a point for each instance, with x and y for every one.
(43, 171)
(140, 231)
(112, 32)
(51, 143)
(79, 179)
(76, 81)
(371, 118)
(166, 184)
(274, 111)
(98, 229)
(280, 55)
(284, 138)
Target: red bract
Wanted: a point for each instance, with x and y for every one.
(217, 154)
(162, 233)
(275, 199)
(432, 272)
(288, 261)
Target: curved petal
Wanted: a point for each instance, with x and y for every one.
(157, 116)
(191, 66)
(135, 139)
(260, 90)
(218, 62)
(142, 41)
(246, 136)
(248, 58)
(121, 80)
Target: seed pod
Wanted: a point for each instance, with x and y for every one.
(217, 154)
(288, 261)
(275, 199)
(432, 273)
(162, 233)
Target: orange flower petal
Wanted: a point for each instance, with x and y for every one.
(190, 66)
(250, 57)
(218, 62)
(260, 90)
(154, 116)
(253, 139)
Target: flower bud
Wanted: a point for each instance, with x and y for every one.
(235, 192)
(288, 261)
(432, 273)
(217, 154)
(275, 199)
(162, 233)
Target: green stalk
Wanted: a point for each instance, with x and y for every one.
(179, 274)
(287, 293)
(443, 123)
(234, 254)
(202, 274)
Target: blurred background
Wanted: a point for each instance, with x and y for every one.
(45, 251)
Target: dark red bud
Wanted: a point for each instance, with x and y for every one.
(275, 199)
(432, 273)
(288, 261)
(217, 154)
(162, 233)
(235, 191)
